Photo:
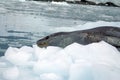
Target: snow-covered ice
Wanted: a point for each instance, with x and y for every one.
(95, 61)
(11, 73)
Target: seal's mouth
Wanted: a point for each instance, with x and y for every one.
(42, 44)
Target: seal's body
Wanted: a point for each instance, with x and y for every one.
(62, 39)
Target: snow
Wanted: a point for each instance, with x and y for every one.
(60, 3)
(11, 73)
(95, 61)
(17, 56)
(50, 76)
(22, 0)
(81, 71)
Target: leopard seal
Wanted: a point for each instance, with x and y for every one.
(108, 34)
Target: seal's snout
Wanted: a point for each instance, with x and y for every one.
(42, 43)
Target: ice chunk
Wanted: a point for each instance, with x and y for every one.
(27, 49)
(17, 57)
(45, 53)
(50, 76)
(104, 53)
(26, 73)
(45, 66)
(95, 61)
(61, 56)
(11, 73)
(37, 51)
(57, 63)
(106, 72)
(81, 71)
(77, 51)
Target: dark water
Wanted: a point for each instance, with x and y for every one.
(23, 23)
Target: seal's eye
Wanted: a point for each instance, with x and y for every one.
(47, 37)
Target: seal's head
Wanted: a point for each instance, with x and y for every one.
(43, 42)
(55, 39)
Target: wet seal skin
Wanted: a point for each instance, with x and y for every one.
(62, 39)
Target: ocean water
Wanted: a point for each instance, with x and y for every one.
(25, 22)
